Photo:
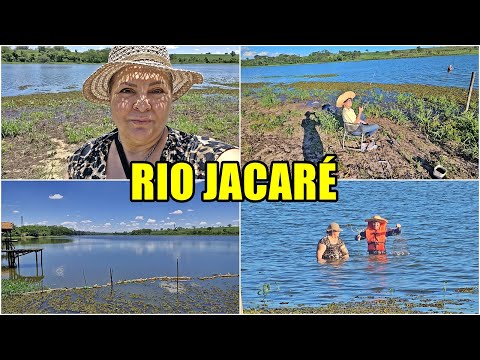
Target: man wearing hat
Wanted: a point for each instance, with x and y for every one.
(376, 234)
(331, 247)
(349, 117)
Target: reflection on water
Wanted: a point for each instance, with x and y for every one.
(88, 259)
(279, 242)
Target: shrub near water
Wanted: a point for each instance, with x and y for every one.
(10, 287)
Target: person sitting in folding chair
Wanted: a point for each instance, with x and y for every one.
(351, 119)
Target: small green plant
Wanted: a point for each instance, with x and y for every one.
(264, 292)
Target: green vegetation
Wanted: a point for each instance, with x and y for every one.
(438, 112)
(379, 306)
(40, 131)
(18, 286)
(60, 54)
(54, 230)
(221, 230)
(218, 296)
(326, 56)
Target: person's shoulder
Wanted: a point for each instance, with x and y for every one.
(203, 146)
(93, 144)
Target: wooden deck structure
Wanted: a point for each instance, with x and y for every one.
(13, 255)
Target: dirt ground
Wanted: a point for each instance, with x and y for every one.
(403, 151)
(44, 158)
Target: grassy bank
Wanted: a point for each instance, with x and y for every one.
(40, 131)
(18, 286)
(145, 296)
(435, 115)
(326, 56)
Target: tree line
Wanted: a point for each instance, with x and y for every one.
(327, 56)
(55, 230)
(61, 54)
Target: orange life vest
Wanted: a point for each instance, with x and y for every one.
(376, 239)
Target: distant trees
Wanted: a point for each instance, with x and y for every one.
(59, 54)
(324, 56)
(45, 54)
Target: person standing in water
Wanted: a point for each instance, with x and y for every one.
(450, 68)
(331, 247)
(376, 234)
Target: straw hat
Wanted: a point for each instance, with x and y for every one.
(376, 218)
(346, 95)
(333, 227)
(95, 88)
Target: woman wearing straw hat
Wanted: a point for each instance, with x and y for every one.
(376, 234)
(349, 117)
(140, 85)
(331, 247)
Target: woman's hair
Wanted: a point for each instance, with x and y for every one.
(112, 79)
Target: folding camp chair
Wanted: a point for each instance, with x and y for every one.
(348, 129)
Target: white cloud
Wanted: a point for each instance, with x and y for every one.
(188, 224)
(176, 212)
(169, 224)
(15, 211)
(138, 218)
(202, 223)
(56, 197)
(122, 223)
(196, 49)
(168, 218)
(263, 53)
(171, 47)
(44, 222)
(235, 221)
(69, 223)
(86, 221)
(248, 53)
(151, 221)
(190, 210)
(107, 224)
(218, 223)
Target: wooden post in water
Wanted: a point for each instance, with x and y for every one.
(111, 278)
(41, 258)
(177, 276)
(470, 88)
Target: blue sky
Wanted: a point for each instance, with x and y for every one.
(172, 49)
(250, 51)
(105, 206)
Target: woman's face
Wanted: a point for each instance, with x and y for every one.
(140, 100)
(348, 103)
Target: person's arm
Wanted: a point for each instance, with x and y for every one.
(359, 116)
(320, 250)
(362, 235)
(344, 251)
(395, 231)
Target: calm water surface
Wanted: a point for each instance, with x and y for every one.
(425, 71)
(24, 79)
(436, 253)
(130, 257)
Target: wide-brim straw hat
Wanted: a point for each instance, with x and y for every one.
(346, 95)
(333, 227)
(96, 87)
(376, 218)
